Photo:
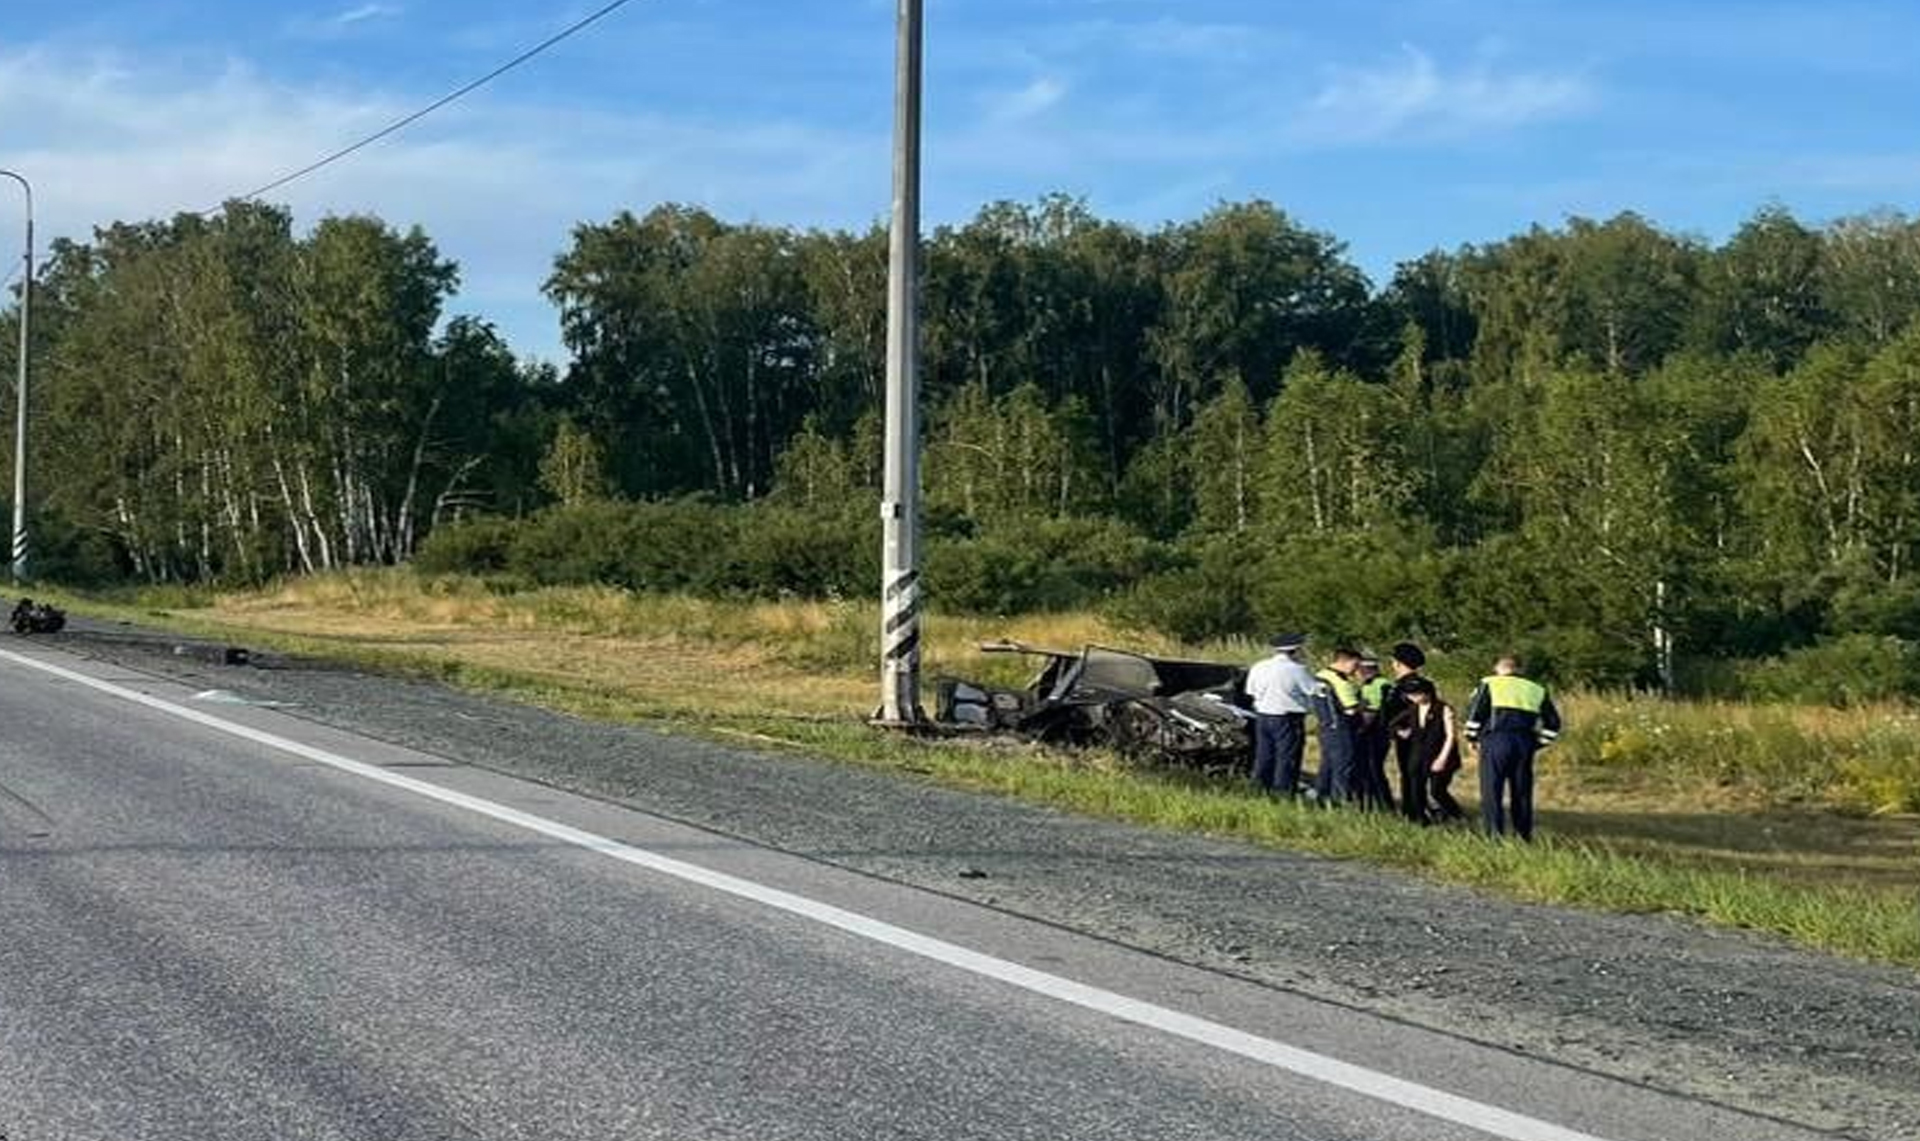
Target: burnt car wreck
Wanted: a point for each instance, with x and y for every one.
(30, 617)
(1165, 709)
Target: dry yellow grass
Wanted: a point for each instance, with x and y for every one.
(669, 656)
(1641, 776)
(800, 676)
(680, 655)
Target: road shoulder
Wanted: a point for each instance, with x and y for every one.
(1721, 1016)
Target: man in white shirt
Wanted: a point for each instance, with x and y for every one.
(1281, 689)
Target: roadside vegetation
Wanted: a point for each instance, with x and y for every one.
(1691, 461)
(1647, 461)
(1797, 820)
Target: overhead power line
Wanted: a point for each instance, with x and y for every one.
(408, 120)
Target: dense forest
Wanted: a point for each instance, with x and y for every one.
(1632, 451)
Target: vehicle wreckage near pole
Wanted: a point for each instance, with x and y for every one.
(1191, 713)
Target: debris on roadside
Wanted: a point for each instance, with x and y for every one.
(228, 697)
(1164, 709)
(30, 617)
(219, 655)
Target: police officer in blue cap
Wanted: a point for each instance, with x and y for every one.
(1281, 689)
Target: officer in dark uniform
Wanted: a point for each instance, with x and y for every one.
(1406, 660)
(1510, 718)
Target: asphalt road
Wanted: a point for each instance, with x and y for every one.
(220, 921)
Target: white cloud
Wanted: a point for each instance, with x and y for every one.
(1412, 97)
(1027, 102)
(499, 183)
(343, 23)
(365, 12)
(499, 187)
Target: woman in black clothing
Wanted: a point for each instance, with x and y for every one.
(1431, 755)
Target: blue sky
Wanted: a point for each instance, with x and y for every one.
(1397, 126)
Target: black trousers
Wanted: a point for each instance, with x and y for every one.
(1375, 744)
(1506, 777)
(1439, 786)
(1414, 777)
(1279, 741)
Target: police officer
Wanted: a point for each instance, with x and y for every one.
(1510, 718)
(1336, 707)
(1281, 689)
(1406, 660)
(1375, 693)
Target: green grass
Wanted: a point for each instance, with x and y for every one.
(1864, 760)
(1751, 853)
(1865, 922)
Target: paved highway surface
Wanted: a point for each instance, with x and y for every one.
(218, 921)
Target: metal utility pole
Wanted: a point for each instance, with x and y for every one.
(20, 393)
(900, 505)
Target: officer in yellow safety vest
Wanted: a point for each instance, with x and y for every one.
(1336, 707)
(1374, 739)
(1510, 718)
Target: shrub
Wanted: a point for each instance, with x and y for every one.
(1040, 565)
(1570, 655)
(681, 545)
(1207, 599)
(1092, 560)
(982, 576)
(1375, 586)
(567, 546)
(471, 546)
(66, 553)
(1857, 669)
(1879, 608)
(806, 553)
(676, 545)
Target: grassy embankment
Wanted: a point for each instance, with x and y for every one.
(1792, 820)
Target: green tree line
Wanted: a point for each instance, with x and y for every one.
(1633, 449)
(223, 399)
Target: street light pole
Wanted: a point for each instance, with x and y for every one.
(20, 393)
(900, 505)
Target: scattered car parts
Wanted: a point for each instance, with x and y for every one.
(30, 617)
(1186, 712)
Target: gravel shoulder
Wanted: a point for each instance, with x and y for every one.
(1738, 1020)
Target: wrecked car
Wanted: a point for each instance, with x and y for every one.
(1183, 711)
(30, 617)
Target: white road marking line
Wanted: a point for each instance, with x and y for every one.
(1345, 1075)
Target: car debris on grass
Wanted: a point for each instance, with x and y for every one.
(1191, 713)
